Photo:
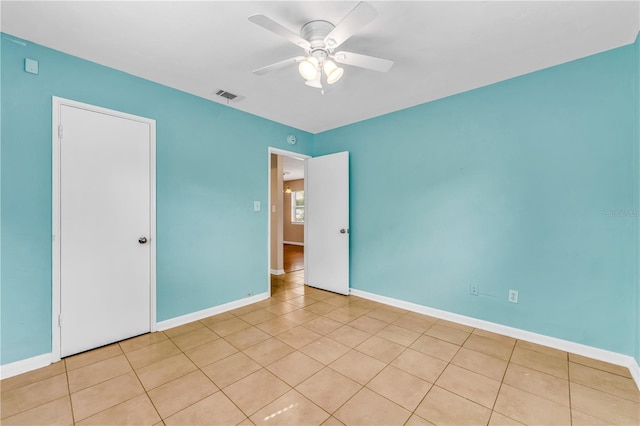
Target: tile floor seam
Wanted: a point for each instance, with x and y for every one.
(113, 406)
(100, 382)
(601, 370)
(248, 416)
(197, 346)
(348, 399)
(66, 370)
(433, 384)
(537, 396)
(592, 415)
(461, 396)
(379, 394)
(475, 372)
(504, 374)
(146, 392)
(602, 390)
(569, 388)
(95, 362)
(162, 419)
(603, 421)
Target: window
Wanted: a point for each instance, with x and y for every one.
(297, 207)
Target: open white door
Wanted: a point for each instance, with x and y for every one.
(327, 222)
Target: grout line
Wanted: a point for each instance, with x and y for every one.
(569, 389)
(369, 309)
(66, 372)
(600, 369)
(506, 368)
(141, 384)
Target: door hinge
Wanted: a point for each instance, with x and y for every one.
(60, 320)
(59, 131)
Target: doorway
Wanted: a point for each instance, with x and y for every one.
(286, 219)
(326, 218)
(103, 226)
(293, 214)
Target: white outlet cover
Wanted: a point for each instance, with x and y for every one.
(513, 296)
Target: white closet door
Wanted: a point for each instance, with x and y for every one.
(105, 255)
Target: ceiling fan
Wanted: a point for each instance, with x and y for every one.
(319, 39)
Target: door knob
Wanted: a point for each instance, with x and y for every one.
(344, 231)
(142, 240)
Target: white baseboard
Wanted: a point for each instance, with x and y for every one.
(195, 316)
(293, 243)
(25, 365)
(634, 369)
(564, 345)
(22, 366)
(277, 272)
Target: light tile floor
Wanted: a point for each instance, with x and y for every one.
(309, 357)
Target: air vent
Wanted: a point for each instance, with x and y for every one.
(227, 95)
(230, 97)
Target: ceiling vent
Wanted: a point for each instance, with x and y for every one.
(228, 96)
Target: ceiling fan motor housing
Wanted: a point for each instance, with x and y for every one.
(315, 32)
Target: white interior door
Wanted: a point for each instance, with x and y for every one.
(327, 222)
(105, 232)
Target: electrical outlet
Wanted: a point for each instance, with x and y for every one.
(473, 289)
(513, 296)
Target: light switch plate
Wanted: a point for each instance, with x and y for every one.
(31, 66)
(256, 206)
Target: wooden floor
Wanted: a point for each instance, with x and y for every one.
(293, 258)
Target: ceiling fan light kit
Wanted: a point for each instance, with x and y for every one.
(309, 68)
(332, 71)
(319, 39)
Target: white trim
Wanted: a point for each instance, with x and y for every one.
(305, 231)
(57, 102)
(293, 243)
(55, 229)
(25, 365)
(205, 313)
(634, 369)
(277, 272)
(40, 361)
(291, 154)
(564, 345)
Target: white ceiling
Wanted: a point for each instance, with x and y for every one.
(293, 168)
(439, 48)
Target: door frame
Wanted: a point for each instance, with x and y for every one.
(284, 153)
(57, 103)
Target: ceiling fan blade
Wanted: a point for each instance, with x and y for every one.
(363, 61)
(359, 16)
(274, 27)
(277, 65)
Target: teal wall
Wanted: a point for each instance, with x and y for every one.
(211, 246)
(514, 185)
(517, 185)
